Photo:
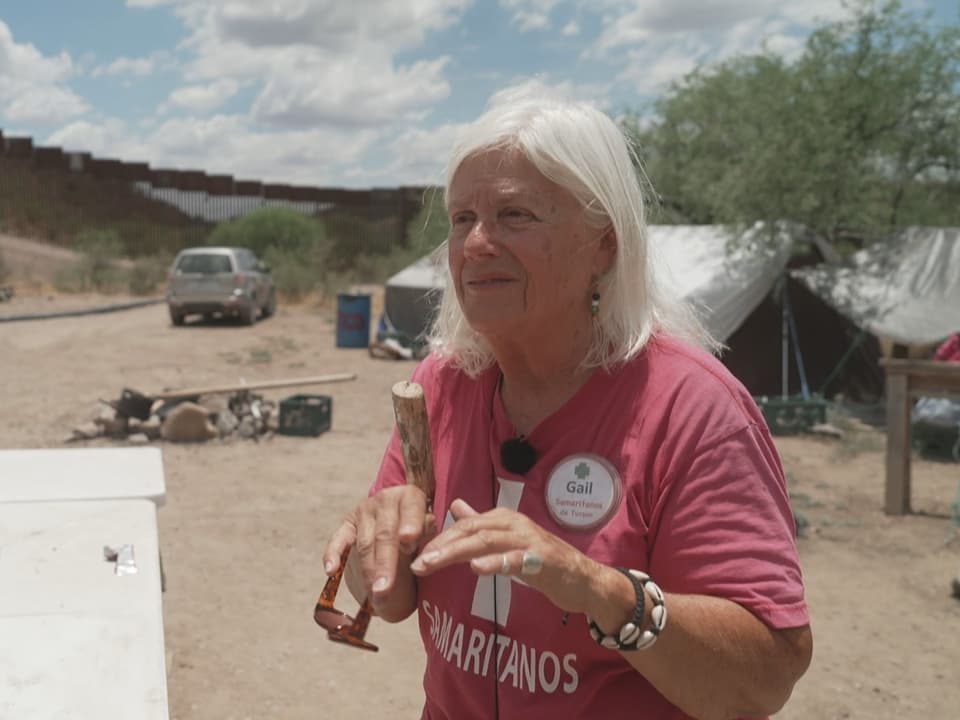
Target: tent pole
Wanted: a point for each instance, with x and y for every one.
(784, 342)
(795, 339)
(861, 335)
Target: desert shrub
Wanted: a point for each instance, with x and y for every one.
(148, 274)
(97, 268)
(281, 228)
(100, 248)
(297, 273)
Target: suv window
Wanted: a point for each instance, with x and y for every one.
(247, 260)
(205, 264)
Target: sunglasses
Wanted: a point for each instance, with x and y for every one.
(341, 627)
(411, 414)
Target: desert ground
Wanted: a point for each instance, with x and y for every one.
(245, 521)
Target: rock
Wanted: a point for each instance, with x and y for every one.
(114, 427)
(826, 429)
(188, 422)
(151, 427)
(138, 439)
(87, 431)
(106, 413)
(247, 428)
(226, 422)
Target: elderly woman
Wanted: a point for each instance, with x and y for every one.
(615, 536)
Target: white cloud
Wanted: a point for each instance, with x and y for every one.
(628, 22)
(137, 67)
(325, 62)
(105, 138)
(331, 24)
(530, 15)
(418, 156)
(203, 98)
(345, 91)
(570, 29)
(226, 144)
(637, 21)
(659, 41)
(652, 67)
(33, 87)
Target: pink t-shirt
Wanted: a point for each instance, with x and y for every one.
(664, 465)
(949, 350)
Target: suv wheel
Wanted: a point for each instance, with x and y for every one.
(248, 313)
(271, 307)
(176, 317)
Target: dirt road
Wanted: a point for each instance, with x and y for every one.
(244, 523)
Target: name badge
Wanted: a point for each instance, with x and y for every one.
(583, 491)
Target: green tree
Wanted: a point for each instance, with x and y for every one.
(858, 136)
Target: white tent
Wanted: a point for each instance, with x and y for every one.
(725, 281)
(725, 277)
(906, 290)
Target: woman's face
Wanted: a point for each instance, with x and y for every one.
(521, 255)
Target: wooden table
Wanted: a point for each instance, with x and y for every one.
(906, 379)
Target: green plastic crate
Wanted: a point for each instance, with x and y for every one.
(792, 415)
(936, 442)
(307, 415)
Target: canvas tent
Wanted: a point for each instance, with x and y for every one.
(411, 296)
(726, 286)
(906, 290)
(737, 290)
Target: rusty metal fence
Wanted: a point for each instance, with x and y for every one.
(53, 195)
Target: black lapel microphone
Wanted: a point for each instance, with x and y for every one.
(517, 455)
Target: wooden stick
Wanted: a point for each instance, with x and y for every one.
(410, 409)
(192, 392)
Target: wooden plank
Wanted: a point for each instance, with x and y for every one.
(947, 371)
(898, 445)
(934, 386)
(265, 385)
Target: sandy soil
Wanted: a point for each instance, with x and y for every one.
(245, 521)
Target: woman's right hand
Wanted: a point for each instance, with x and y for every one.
(383, 532)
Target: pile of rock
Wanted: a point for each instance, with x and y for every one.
(241, 415)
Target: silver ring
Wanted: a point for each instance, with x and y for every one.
(531, 563)
(504, 565)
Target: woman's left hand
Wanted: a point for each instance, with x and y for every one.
(504, 542)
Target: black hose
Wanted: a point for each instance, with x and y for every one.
(85, 311)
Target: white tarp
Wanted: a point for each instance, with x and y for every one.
(725, 278)
(726, 281)
(907, 289)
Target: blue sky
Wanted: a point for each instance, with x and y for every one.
(348, 93)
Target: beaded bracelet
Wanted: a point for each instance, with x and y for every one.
(630, 636)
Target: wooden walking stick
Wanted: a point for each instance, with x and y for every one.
(410, 410)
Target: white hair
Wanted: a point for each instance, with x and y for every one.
(582, 150)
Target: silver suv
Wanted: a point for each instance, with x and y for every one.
(226, 280)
